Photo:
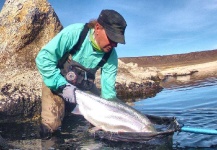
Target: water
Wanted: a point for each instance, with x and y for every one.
(194, 104)
(191, 100)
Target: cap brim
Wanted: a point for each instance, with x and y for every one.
(118, 38)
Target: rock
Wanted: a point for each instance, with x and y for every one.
(131, 72)
(134, 82)
(134, 91)
(25, 26)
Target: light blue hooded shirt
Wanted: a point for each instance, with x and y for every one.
(48, 56)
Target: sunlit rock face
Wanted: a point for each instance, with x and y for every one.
(25, 26)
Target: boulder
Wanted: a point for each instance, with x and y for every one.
(25, 26)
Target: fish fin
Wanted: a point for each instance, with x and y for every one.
(94, 129)
(76, 110)
(120, 131)
(149, 128)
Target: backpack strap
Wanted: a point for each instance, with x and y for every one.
(82, 36)
(75, 48)
(103, 60)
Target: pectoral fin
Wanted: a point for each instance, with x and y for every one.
(76, 110)
(94, 129)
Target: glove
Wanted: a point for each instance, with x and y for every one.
(68, 93)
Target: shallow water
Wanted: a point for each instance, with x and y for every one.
(191, 100)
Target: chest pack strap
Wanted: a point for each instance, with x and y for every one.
(77, 46)
(82, 36)
(103, 60)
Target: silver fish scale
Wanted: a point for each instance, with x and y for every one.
(111, 115)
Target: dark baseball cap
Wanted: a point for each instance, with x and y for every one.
(114, 25)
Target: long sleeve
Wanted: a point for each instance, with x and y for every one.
(48, 56)
(108, 77)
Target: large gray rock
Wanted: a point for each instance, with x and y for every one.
(25, 26)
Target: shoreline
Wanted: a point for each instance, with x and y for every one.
(202, 69)
(203, 63)
(165, 61)
(136, 81)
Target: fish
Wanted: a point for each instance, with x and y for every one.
(112, 116)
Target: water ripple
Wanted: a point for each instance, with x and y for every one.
(194, 104)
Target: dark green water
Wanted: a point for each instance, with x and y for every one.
(192, 101)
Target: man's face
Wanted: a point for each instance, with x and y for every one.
(102, 40)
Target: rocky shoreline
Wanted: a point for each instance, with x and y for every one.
(149, 71)
(31, 25)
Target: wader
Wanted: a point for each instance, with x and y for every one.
(53, 109)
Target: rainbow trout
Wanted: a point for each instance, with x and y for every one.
(113, 116)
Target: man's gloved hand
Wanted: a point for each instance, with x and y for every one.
(68, 93)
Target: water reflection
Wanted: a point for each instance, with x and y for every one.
(73, 135)
(193, 81)
(193, 103)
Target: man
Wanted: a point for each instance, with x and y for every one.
(103, 36)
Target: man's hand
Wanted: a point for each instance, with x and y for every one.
(68, 93)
